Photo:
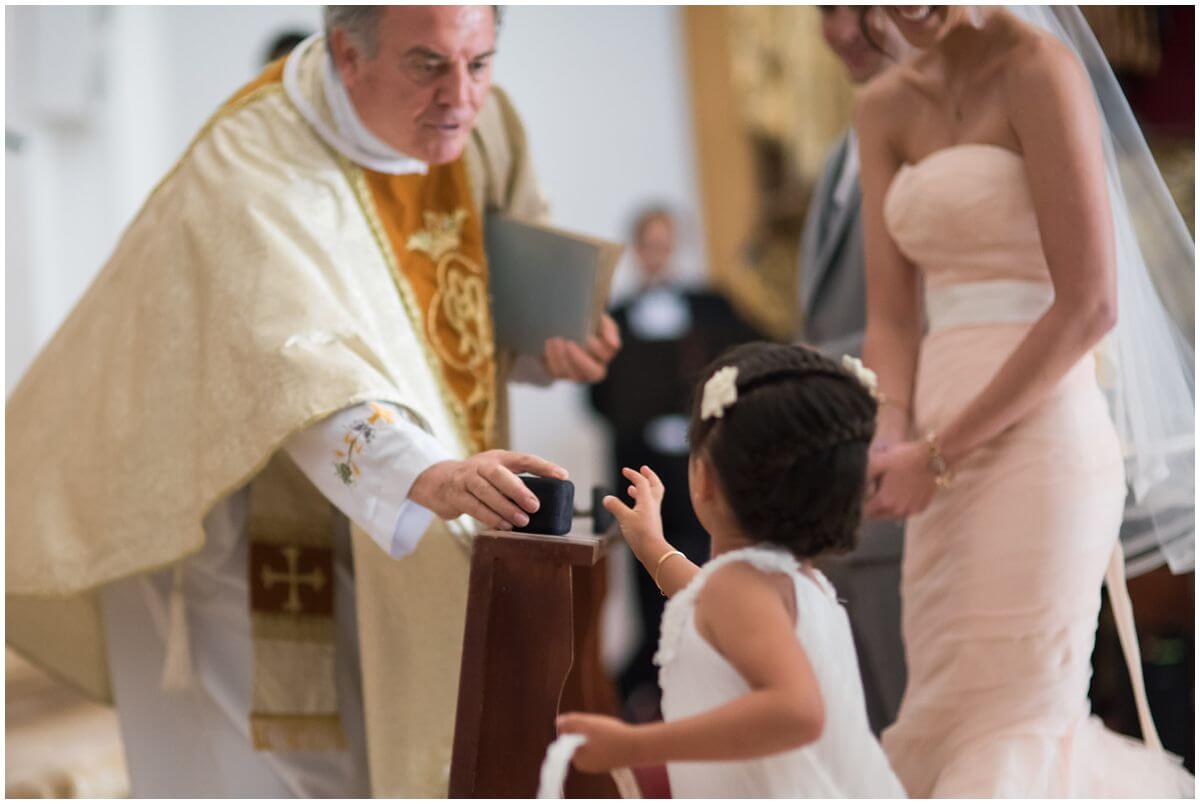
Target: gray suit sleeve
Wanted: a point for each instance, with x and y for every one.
(847, 345)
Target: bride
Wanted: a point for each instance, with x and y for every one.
(1029, 376)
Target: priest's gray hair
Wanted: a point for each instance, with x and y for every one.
(361, 24)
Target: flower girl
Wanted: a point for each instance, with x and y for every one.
(760, 682)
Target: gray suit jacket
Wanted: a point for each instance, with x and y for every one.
(833, 288)
(833, 296)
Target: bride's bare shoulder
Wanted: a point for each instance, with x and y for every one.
(1037, 56)
(1047, 85)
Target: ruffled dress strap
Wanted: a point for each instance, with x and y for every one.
(679, 608)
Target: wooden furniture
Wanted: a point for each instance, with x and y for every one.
(531, 649)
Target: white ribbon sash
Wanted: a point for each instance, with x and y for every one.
(999, 301)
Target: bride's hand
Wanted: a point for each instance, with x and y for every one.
(902, 481)
(891, 428)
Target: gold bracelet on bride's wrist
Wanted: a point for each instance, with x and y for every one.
(943, 476)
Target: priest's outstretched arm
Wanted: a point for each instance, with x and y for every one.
(391, 477)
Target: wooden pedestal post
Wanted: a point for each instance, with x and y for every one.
(531, 649)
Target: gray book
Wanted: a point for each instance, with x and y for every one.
(545, 282)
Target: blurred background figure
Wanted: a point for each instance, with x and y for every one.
(833, 300)
(283, 43)
(669, 333)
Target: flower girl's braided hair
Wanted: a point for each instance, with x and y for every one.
(789, 445)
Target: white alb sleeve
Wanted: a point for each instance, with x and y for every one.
(364, 459)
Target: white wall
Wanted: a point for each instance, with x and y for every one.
(62, 187)
(604, 95)
(216, 49)
(103, 99)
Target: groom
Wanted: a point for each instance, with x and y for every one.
(833, 301)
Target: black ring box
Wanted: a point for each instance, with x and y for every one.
(557, 506)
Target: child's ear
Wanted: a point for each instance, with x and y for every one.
(701, 477)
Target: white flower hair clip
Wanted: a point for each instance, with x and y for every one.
(863, 374)
(719, 393)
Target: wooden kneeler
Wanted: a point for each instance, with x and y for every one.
(531, 649)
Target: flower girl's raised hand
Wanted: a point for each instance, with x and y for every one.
(641, 525)
(642, 528)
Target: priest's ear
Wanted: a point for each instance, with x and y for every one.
(348, 56)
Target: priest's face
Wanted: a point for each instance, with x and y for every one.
(422, 87)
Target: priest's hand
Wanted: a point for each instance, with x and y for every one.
(567, 360)
(610, 742)
(485, 486)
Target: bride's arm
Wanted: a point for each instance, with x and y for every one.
(1054, 117)
(893, 333)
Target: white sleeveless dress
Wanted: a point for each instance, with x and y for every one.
(845, 762)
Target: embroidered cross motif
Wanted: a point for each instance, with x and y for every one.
(314, 578)
(289, 579)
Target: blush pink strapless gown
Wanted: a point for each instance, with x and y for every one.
(1002, 574)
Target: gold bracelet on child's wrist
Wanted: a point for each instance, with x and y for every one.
(658, 568)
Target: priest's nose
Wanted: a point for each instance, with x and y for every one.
(455, 88)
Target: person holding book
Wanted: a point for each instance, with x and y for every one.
(268, 432)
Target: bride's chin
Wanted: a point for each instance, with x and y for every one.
(919, 25)
(914, 14)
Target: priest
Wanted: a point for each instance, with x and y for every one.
(244, 475)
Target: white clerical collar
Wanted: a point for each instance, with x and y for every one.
(660, 313)
(347, 134)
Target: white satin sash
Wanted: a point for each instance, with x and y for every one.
(996, 301)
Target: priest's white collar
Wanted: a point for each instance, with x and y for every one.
(344, 131)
